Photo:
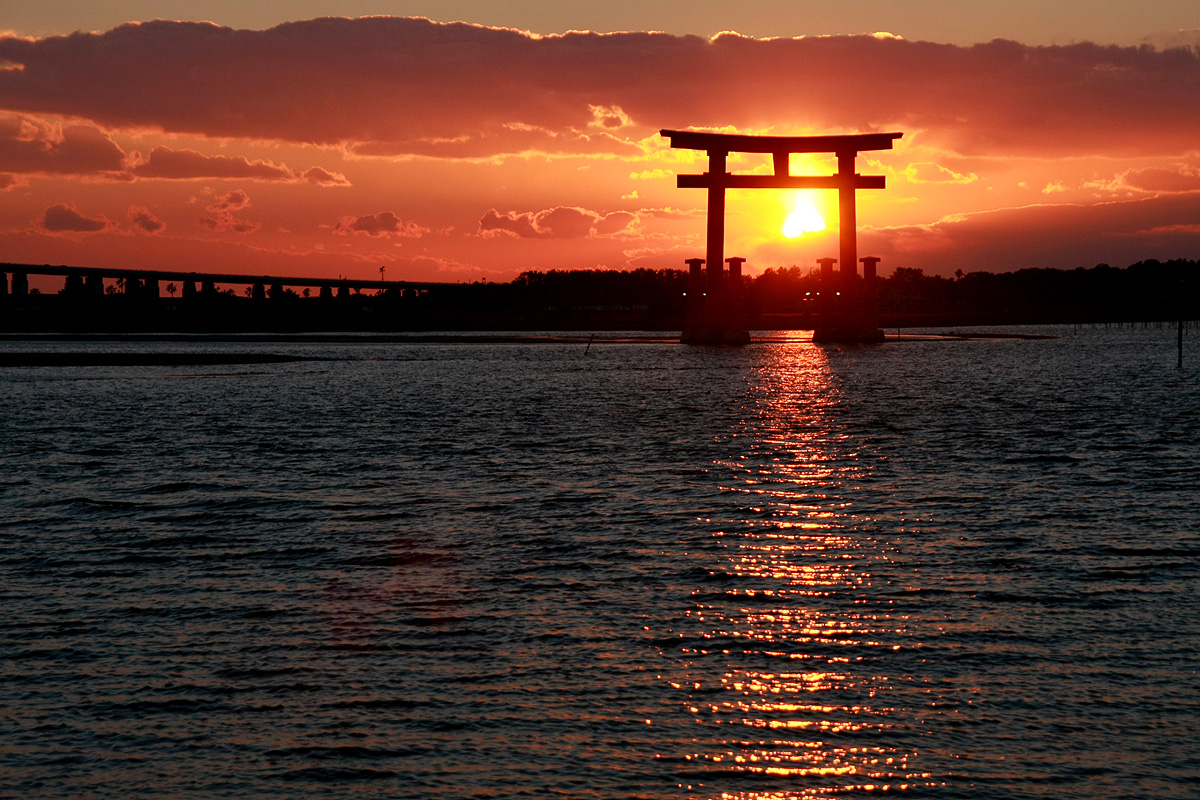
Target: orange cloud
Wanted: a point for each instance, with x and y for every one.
(220, 216)
(64, 218)
(928, 172)
(556, 223)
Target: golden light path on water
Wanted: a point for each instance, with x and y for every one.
(801, 705)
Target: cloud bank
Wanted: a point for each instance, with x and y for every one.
(398, 86)
(1062, 235)
(35, 146)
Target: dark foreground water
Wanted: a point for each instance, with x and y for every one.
(940, 569)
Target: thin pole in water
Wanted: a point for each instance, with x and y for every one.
(589, 347)
(1180, 340)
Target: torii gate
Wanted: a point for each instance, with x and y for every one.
(717, 322)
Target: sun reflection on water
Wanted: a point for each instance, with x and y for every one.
(785, 667)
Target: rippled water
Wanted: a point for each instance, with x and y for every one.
(944, 569)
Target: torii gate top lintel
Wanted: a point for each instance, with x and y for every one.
(744, 143)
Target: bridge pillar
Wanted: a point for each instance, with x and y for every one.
(326, 293)
(150, 289)
(133, 287)
(94, 285)
(74, 286)
(3, 284)
(208, 289)
(276, 291)
(258, 292)
(189, 290)
(20, 284)
(343, 292)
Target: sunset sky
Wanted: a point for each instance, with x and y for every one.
(467, 140)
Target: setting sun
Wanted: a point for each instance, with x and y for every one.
(804, 218)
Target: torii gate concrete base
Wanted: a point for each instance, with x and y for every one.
(848, 335)
(714, 304)
(718, 318)
(846, 306)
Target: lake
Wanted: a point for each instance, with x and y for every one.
(624, 570)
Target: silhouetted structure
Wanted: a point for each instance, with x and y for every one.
(718, 322)
(145, 282)
(780, 298)
(133, 299)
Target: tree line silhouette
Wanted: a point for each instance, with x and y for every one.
(786, 297)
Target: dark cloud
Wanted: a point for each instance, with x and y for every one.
(144, 220)
(614, 223)
(233, 201)
(164, 162)
(563, 222)
(1184, 37)
(1060, 236)
(1163, 180)
(62, 218)
(381, 224)
(323, 177)
(32, 146)
(410, 86)
(167, 163)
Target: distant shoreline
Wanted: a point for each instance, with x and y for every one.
(143, 359)
(341, 338)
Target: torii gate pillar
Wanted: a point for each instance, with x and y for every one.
(847, 219)
(714, 251)
(722, 320)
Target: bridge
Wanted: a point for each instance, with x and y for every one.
(106, 299)
(145, 284)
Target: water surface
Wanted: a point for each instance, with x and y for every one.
(471, 570)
